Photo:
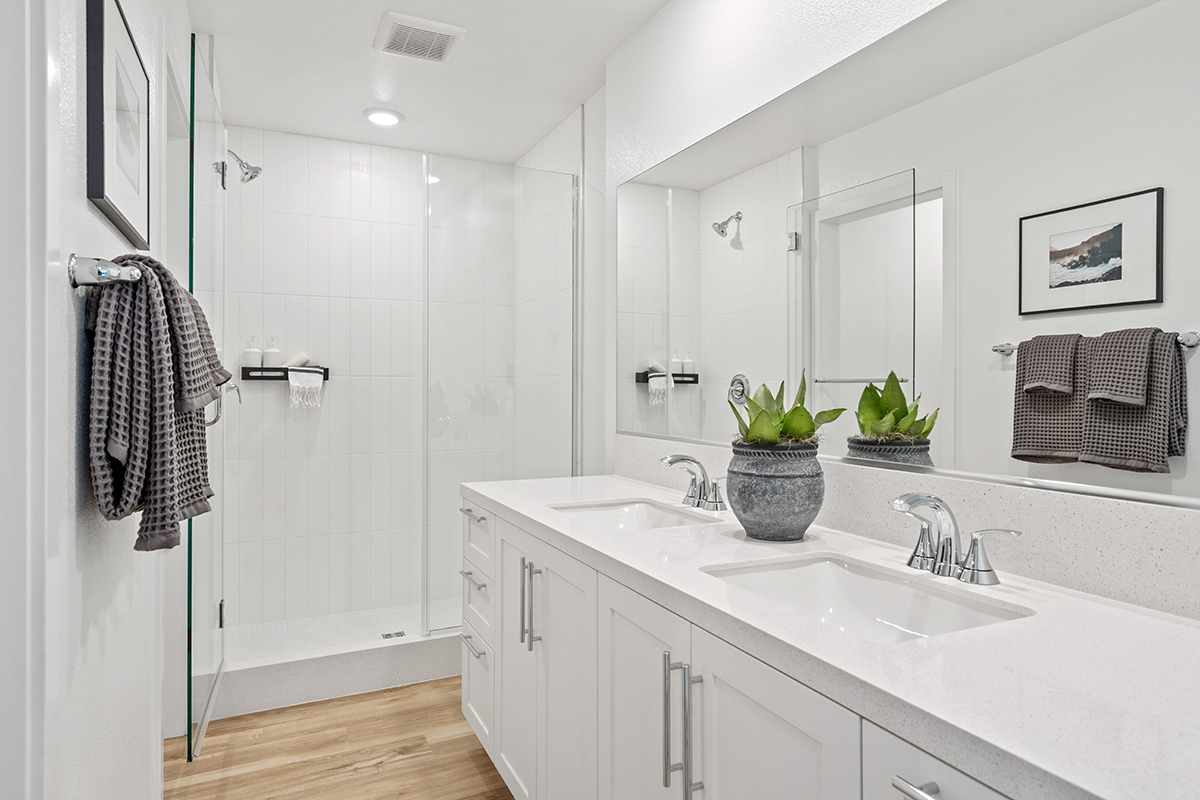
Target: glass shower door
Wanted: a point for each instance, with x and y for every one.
(857, 286)
(206, 635)
(500, 282)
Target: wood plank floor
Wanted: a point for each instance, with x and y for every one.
(410, 743)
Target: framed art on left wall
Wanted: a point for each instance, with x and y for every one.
(118, 123)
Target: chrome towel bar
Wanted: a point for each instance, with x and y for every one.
(97, 272)
(1189, 339)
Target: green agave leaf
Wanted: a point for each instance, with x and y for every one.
(885, 425)
(779, 400)
(763, 430)
(929, 423)
(892, 398)
(825, 417)
(917, 427)
(803, 388)
(743, 428)
(798, 424)
(903, 425)
(868, 409)
(766, 401)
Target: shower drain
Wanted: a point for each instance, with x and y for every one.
(393, 635)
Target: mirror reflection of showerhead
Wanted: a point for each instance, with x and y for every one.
(249, 171)
(722, 228)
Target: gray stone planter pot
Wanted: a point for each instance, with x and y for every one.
(899, 452)
(775, 490)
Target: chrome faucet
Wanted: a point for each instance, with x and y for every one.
(701, 492)
(947, 547)
(942, 557)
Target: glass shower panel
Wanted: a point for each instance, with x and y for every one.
(207, 281)
(857, 283)
(500, 285)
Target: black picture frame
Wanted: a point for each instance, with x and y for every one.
(118, 123)
(1146, 270)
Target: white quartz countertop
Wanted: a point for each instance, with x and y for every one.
(1087, 697)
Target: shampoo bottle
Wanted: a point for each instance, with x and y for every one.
(675, 366)
(252, 356)
(271, 357)
(689, 366)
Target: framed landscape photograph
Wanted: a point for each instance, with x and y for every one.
(1106, 253)
(118, 123)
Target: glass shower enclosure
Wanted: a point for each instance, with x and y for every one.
(206, 279)
(500, 284)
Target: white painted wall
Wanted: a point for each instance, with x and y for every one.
(103, 601)
(326, 251)
(1110, 112)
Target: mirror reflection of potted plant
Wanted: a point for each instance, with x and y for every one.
(889, 427)
(775, 483)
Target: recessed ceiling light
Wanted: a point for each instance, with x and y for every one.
(384, 117)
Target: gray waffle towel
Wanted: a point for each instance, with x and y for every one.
(1048, 426)
(1057, 428)
(146, 431)
(1121, 371)
(1140, 438)
(1050, 363)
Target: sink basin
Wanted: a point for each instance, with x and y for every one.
(864, 601)
(635, 515)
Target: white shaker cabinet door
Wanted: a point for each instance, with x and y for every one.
(515, 742)
(634, 711)
(759, 734)
(564, 624)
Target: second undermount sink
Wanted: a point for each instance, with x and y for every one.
(864, 601)
(635, 515)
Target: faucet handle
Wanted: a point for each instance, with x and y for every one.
(924, 554)
(714, 501)
(975, 567)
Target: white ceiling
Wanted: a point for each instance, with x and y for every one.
(307, 66)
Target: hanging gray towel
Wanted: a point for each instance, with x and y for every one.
(1049, 363)
(1140, 438)
(1121, 369)
(1048, 426)
(146, 454)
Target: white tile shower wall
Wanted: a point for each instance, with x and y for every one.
(543, 309)
(643, 332)
(325, 251)
(744, 290)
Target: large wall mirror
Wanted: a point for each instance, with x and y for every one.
(869, 221)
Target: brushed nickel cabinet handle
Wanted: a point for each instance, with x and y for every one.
(474, 517)
(923, 792)
(472, 581)
(466, 639)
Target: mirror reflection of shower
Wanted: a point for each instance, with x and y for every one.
(722, 228)
(249, 171)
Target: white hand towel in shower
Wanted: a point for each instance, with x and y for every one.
(306, 383)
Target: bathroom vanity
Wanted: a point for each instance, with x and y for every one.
(618, 645)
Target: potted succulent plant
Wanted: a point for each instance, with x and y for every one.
(775, 483)
(889, 427)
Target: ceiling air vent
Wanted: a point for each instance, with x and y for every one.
(417, 38)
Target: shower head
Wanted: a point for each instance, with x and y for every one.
(249, 172)
(722, 228)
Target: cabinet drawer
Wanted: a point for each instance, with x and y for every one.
(479, 537)
(885, 756)
(478, 591)
(478, 685)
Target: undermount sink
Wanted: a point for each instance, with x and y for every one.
(866, 602)
(635, 515)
